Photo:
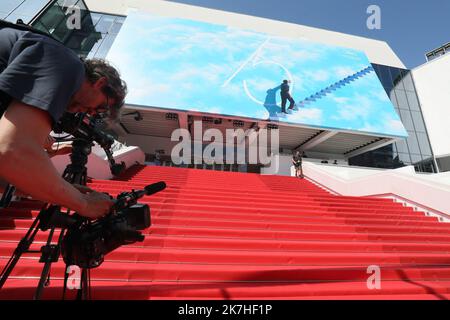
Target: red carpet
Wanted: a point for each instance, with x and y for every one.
(219, 235)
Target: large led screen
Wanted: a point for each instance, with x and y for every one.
(181, 64)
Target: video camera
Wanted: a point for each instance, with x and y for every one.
(84, 128)
(86, 243)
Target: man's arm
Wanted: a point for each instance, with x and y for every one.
(25, 164)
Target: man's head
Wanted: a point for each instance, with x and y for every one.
(102, 91)
(285, 81)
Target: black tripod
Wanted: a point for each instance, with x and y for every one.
(7, 196)
(75, 173)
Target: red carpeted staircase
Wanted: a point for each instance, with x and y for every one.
(222, 235)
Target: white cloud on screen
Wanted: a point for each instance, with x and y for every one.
(313, 115)
(183, 64)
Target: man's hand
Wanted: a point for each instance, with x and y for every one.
(24, 133)
(98, 205)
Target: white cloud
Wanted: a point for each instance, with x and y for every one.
(395, 125)
(232, 89)
(214, 110)
(361, 108)
(211, 73)
(369, 128)
(319, 75)
(381, 95)
(344, 71)
(313, 115)
(340, 100)
(145, 88)
(262, 84)
(260, 114)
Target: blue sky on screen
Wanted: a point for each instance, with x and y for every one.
(189, 65)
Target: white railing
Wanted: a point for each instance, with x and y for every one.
(429, 193)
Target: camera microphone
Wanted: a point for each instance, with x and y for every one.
(129, 198)
(154, 188)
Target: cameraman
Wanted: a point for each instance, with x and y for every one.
(40, 79)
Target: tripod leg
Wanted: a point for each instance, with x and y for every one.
(50, 254)
(21, 248)
(66, 276)
(7, 196)
(82, 292)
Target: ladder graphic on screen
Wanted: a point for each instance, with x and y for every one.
(335, 86)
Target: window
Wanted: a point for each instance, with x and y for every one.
(401, 99)
(384, 75)
(424, 144)
(418, 121)
(413, 144)
(439, 53)
(397, 78)
(31, 7)
(415, 158)
(21, 9)
(105, 45)
(407, 119)
(117, 25)
(430, 56)
(104, 24)
(97, 32)
(402, 147)
(404, 158)
(95, 18)
(416, 147)
(108, 26)
(408, 82)
(9, 5)
(53, 17)
(413, 101)
(393, 98)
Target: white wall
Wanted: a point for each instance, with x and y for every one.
(98, 165)
(433, 87)
(149, 144)
(377, 51)
(280, 165)
(428, 192)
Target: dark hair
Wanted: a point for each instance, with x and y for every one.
(115, 88)
(285, 81)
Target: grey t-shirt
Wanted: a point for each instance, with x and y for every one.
(38, 71)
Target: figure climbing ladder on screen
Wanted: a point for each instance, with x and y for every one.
(285, 96)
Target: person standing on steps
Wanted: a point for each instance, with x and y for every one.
(285, 95)
(297, 162)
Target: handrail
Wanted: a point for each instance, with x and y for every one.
(425, 193)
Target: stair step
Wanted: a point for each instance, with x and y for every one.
(228, 235)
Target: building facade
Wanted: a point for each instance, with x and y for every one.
(416, 149)
(433, 86)
(101, 22)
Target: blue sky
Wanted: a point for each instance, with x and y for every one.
(189, 65)
(411, 27)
